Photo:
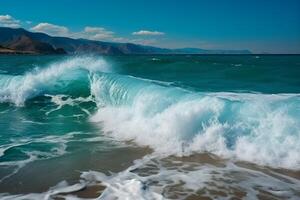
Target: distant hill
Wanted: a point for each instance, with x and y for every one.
(26, 44)
(22, 41)
(205, 51)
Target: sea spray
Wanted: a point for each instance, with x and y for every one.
(17, 89)
(202, 119)
(258, 128)
(169, 119)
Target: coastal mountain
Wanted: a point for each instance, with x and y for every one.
(205, 51)
(19, 41)
(22, 41)
(26, 45)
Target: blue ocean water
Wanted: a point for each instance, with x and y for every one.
(83, 117)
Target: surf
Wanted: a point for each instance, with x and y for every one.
(190, 140)
(253, 127)
(52, 79)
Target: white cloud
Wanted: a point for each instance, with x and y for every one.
(121, 39)
(135, 40)
(89, 29)
(88, 32)
(145, 32)
(51, 29)
(96, 33)
(9, 21)
(91, 33)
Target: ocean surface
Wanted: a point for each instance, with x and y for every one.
(150, 127)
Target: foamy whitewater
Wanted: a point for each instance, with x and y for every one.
(248, 136)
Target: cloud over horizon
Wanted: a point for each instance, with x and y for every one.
(146, 32)
(97, 33)
(9, 21)
(87, 32)
(51, 29)
(91, 33)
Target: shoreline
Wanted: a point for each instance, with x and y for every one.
(95, 189)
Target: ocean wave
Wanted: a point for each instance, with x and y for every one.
(258, 128)
(253, 127)
(53, 78)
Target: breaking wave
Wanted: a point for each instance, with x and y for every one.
(58, 77)
(258, 128)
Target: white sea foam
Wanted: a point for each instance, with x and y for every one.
(62, 100)
(258, 128)
(156, 178)
(150, 177)
(57, 191)
(17, 89)
(58, 148)
(155, 59)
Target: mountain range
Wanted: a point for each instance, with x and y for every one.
(21, 41)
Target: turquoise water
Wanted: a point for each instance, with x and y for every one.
(71, 120)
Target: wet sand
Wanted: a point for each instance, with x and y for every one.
(39, 176)
(196, 160)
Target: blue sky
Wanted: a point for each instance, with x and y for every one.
(260, 26)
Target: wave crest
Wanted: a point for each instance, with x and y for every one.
(258, 128)
(17, 89)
